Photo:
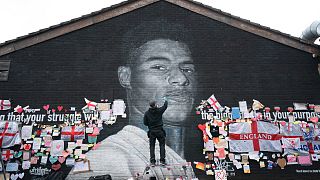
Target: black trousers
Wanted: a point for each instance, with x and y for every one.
(159, 134)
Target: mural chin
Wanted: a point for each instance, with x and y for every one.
(177, 115)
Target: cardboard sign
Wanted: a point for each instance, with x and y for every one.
(12, 167)
(26, 165)
(220, 174)
(81, 166)
(36, 143)
(103, 106)
(118, 107)
(57, 147)
(26, 132)
(304, 160)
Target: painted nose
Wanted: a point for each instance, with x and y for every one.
(178, 78)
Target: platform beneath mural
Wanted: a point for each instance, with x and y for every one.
(169, 171)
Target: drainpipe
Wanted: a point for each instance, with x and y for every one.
(312, 32)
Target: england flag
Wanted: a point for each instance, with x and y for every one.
(9, 134)
(295, 133)
(254, 136)
(214, 103)
(5, 105)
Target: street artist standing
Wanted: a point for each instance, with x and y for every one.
(153, 119)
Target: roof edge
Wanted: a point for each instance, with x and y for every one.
(130, 5)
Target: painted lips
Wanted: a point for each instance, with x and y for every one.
(180, 96)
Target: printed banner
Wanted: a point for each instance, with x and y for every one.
(254, 136)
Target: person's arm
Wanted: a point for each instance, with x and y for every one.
(145, 120)
(164, 107)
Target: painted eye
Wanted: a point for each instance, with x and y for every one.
(187, 70)
(159, 67)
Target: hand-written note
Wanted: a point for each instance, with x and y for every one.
(81, 166)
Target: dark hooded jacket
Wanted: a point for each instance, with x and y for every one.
(153, 117)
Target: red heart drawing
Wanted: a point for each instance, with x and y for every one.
(27, 146)
(314, 119)
(20, 110)
(283, 123)
(58, 146)
(46, 107)
(202, 127)
(60, 108)
(61, 159)
(38, 132)
(53, 110)
(56, 167)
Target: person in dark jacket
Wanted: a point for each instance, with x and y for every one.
(153, 119)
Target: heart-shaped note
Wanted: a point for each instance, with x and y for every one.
(282, 162)
(56, 167)
(17, 154)
(60, 108)
(61, 159)
(14, 176)
(53, 159)
(53, 110)
(58, 146)
(27, 147)
(46, 107)
(314, 119)
(202, 127)
(20, 110)
(21, 175)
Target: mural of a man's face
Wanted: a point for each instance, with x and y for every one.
(161, 68)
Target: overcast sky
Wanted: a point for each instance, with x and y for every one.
(21, 17)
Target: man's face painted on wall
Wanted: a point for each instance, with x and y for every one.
(163, 68)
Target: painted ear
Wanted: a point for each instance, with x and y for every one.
(124, 75)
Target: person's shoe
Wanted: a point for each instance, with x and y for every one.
(153, 164)
(163, 163)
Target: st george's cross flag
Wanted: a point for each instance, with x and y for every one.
(254, 136)
(7, 154)
(214, 103)
(5, 105)
(91, 105)
(303, 146)
(9, 134)
(72, 133)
